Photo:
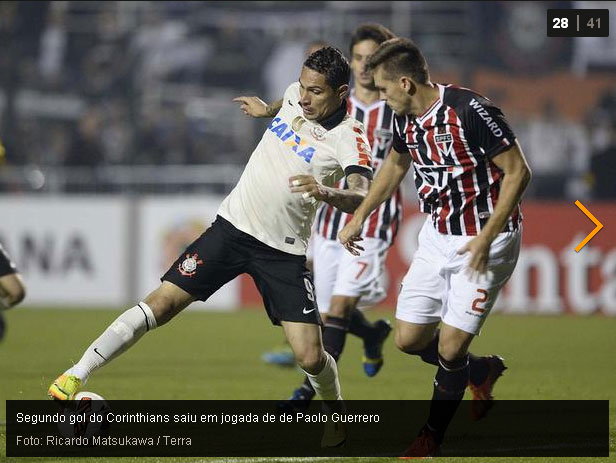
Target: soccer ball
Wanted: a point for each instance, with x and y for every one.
(85, 416)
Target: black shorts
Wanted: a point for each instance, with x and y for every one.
(6, 264)
(223, 252)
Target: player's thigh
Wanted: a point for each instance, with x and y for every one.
(360, 276)
(286, 286)
(326, 255)
(423, 288)
(208, 263)
(470, 300)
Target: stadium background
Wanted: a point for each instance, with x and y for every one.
(120, 140)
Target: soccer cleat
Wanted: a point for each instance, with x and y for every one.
(483, 400)
(424, 445)
(299, 401)
(282, 357)
(334, 434)
(64, 387)
(373, 352)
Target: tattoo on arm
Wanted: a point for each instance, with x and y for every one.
(273, 108)
(348, 200)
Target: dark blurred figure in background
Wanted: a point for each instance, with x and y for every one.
(603, 167)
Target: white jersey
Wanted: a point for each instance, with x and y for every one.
(262, 204)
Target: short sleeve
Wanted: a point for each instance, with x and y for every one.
(398, 142)
(485, 127)
(291, 93)
(353, 148)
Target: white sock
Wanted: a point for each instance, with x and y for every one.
(125, 331)
(326, 382)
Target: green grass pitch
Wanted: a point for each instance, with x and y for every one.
(217, 356)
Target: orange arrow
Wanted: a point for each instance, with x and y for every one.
(598, 227)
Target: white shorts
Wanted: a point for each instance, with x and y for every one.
(437, 286)
(338, 273)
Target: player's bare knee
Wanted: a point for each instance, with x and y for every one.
(12, 290)
(162, 306)
(14, 294)
(166, 302)
(409, 344)
(17, 296)
(310, 360)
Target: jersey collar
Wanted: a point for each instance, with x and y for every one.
(434, 105)
(336, 118)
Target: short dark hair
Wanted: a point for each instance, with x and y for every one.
(330, 62)
(370, 31)
(400, 56)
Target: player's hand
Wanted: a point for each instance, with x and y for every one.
(350, 235)
(252, 106)
(308, 186)
(479, 248)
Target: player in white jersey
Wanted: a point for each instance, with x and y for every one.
(263, 227)
(346, 284)
(342, 281)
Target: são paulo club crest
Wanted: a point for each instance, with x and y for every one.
(188, 267)
(383, 137)
(444, 142)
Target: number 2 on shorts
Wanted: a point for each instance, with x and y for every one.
(480, 300)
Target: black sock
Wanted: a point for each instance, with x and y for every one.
(334, 335)
(309, 389)
(360, 326)
(429, 354)
(478, 366)
(479, 369)
(449, 386)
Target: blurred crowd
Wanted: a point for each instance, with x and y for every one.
(88, 84)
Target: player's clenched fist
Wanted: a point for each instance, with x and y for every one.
(253, 106)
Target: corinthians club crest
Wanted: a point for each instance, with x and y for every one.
(188, 267)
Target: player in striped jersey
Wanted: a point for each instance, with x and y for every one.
(470, 174)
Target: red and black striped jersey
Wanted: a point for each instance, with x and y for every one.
(384, 221)
(452, 144)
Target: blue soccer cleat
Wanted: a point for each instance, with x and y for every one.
(298, 402)
(282, 357)
(373, 351)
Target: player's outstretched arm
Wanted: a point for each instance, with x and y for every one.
(346, 200)
(388, 179)
(517, 177)
(256, 107)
